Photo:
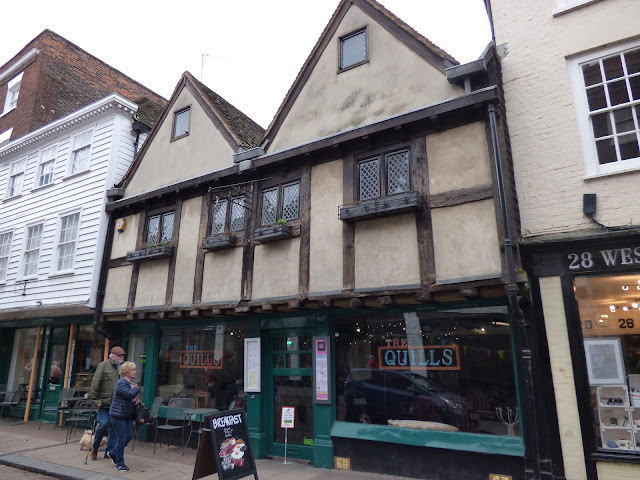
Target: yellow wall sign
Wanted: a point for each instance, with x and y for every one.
(497, 476)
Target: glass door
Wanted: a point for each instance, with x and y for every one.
(291, 385)
(137, 353)
(53, 369)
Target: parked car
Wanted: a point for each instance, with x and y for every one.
(378, 395)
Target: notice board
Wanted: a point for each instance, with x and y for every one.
(227, 450)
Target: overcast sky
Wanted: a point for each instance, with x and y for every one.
(255, 47)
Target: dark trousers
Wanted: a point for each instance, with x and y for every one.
(124, 433)
(103, 423)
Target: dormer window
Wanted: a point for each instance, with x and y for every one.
(181, 123)
(13, 89)
(353, 49)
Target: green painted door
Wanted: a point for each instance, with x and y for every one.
(290, 385)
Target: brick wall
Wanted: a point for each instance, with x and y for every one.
(62, 79)
(546, 145)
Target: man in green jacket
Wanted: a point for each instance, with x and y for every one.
(102, 387)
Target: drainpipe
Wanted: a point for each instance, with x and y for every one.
(521, 330)
(98, 326)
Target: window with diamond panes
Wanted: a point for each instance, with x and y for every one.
(181, 123)
(269, 206)
(5, 248)
(353, 49)
(160, 228)
(391, 170)
(227, 215)
(45, 171)
(32, 250)
(67, 242)
(397, 172)
(613, 97)
(369, 179)
(291, 201)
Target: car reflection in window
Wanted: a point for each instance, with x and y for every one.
(377, 396)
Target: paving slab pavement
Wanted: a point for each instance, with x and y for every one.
(43, 450)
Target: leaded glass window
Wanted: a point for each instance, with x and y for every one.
(397, 172)
(181, 123)
(269, 206)
(160, 228)
(353, 49)
(236, 222)
(291, 201)
(227, 215)
(386, 174)
(219, 216)
(282, 202)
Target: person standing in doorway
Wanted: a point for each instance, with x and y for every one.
(123, 408)
(102, 388)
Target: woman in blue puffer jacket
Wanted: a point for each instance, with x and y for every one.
(122, 411)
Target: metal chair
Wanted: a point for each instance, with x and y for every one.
(65, 393)
(175, 413)
(11, 399)
(155, 408)
(83, 413)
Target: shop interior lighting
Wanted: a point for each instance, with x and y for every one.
(612, 308)
(635, 304)
(625, 287)
(625, 308)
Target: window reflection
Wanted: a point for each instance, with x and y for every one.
(447, 370)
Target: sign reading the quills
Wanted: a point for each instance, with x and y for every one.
(603, 259)
(201, 359)
(429, 357)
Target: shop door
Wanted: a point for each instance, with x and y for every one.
(53, 371)
(137, 353)
(290, 385)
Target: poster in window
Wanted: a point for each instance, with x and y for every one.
(252, 364)
(604, 361)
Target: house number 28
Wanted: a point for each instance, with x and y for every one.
(584, 260)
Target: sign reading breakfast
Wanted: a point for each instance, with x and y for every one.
(231, 447)
(399, 355)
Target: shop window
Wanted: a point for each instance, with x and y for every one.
(88, 353)
(24, 344)
(610, 319)
(204, 363)
(450, 370)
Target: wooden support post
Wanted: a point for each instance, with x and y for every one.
(67, 369)
(33, 374)
(106, 349)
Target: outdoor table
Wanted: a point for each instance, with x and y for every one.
(197, 414)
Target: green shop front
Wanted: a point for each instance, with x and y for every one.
(428, 386)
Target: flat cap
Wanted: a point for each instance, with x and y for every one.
(117, 351)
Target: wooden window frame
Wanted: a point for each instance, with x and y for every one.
(3, 273)
(11, 176)
(280, 187)
(161, 212)
(381, 155)
(173, 125)
(41, 164)
(227, 221)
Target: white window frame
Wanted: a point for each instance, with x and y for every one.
(563, 6)
(574, 65)
(5, 136)
(45, 161)
(27, 248)
(62, 241)
(5, 254)
(13, 91)
(11, 190)
(77, 149)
